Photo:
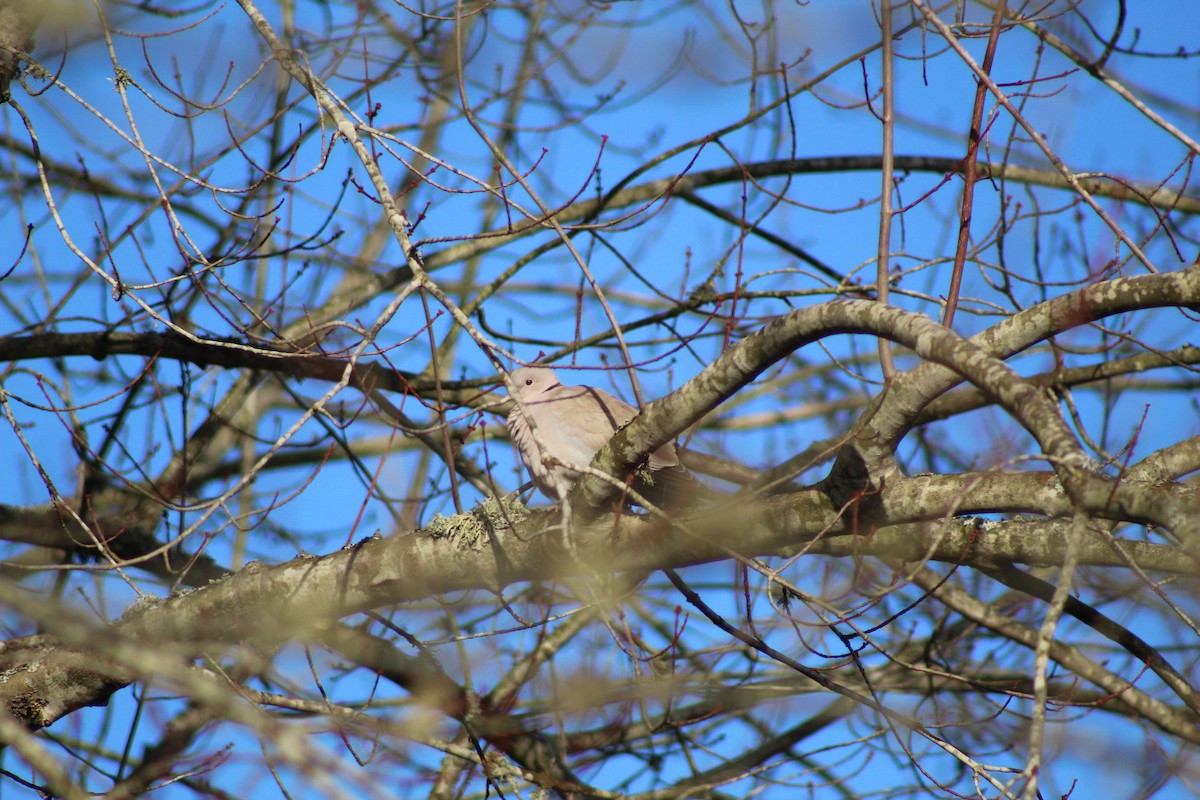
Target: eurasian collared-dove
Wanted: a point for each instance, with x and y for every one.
(574, 422)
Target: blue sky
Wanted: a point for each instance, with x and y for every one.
(674, 247)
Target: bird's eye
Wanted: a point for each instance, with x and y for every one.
(529, 381)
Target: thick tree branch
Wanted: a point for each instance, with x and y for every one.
(304, 597)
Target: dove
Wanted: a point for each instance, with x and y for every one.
(574, 422)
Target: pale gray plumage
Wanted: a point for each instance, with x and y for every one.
(574, 422)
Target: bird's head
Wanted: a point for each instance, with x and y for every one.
(532, 381)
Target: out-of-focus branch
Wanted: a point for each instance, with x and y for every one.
(299, 600)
